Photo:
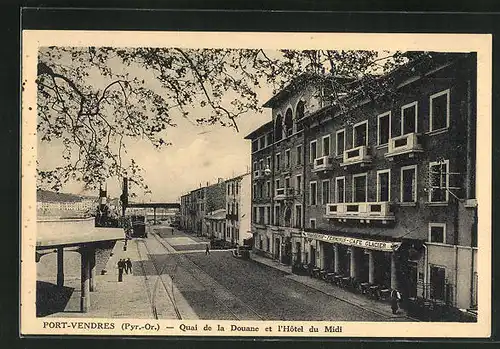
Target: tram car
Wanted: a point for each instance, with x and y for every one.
(138, 226)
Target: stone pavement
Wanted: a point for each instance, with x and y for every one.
(378, 307)
(127, 299)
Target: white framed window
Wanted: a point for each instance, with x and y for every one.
(359, 187)
(439, 181)
(287, 184)
(409, 183)
(287, 158)
(262, 142)
(298, 183)
(299, 155)
(261, 164)
(437, 232)
(254, 167)
(255, 191)
(313, 151)
(277, 215)
(313, 193)
(340, 189)
(360, 134)
(409, 119)
(325, 191)
(384, 185)
(268, 188)
(326, 145)
(268, 214)
(383, 128)
(298, 216)
(312, 223)
(340, 142)
(439, 108)
(278, 160)
(278, 186)
(268, 162)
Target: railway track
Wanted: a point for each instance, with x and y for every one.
(152, 290)
(196, 272)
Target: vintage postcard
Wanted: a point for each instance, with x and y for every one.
(256, 184)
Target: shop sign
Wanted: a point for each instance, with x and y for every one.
(386, 246)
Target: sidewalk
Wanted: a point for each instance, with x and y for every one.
(112, 299)
(378, 307)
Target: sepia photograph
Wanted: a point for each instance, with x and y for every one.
(256, 184)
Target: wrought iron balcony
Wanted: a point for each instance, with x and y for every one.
(363, 211)
(407, 144)
(356, 156)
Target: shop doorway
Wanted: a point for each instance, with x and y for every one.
(412, 279)
(437, 281)
(327, 256)
(364, 266)
(277, 247)
(298, 252)
(286, 258)
(313, 256)
(344, 260)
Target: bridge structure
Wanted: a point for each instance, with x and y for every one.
(80, 235)
(155, 206)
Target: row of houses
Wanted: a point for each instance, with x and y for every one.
(220, 211)
(52, 204)
(381, 188)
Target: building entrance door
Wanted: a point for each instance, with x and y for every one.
(298, 253)
(437, 283)
(313, 256)
(287, 255)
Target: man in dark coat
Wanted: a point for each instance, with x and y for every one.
(207, 250)
(121, 266)
(395, 297)
(128, 264)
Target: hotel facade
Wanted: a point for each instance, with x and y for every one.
(382, 190)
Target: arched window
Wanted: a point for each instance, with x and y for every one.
(299, 115)
(288, 123)
(278, 128)
(299, 111)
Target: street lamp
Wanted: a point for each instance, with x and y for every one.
(267, 171)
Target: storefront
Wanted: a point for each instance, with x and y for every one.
(365, 260)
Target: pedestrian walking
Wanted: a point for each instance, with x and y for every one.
(395, 298)
(207, 250)
(120, 270)
(129, 265)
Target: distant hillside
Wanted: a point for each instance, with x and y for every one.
(50, 196)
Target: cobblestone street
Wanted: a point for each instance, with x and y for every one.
(220, 286)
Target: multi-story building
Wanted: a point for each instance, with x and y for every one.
(238, 206)
(200, 204)
(278, 159)
(387, 181)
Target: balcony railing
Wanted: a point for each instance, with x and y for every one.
(284, 193)
(358, 155)
(366, 211)
(323, 163)
(405, 144)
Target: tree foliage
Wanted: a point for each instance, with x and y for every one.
(94, 99)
